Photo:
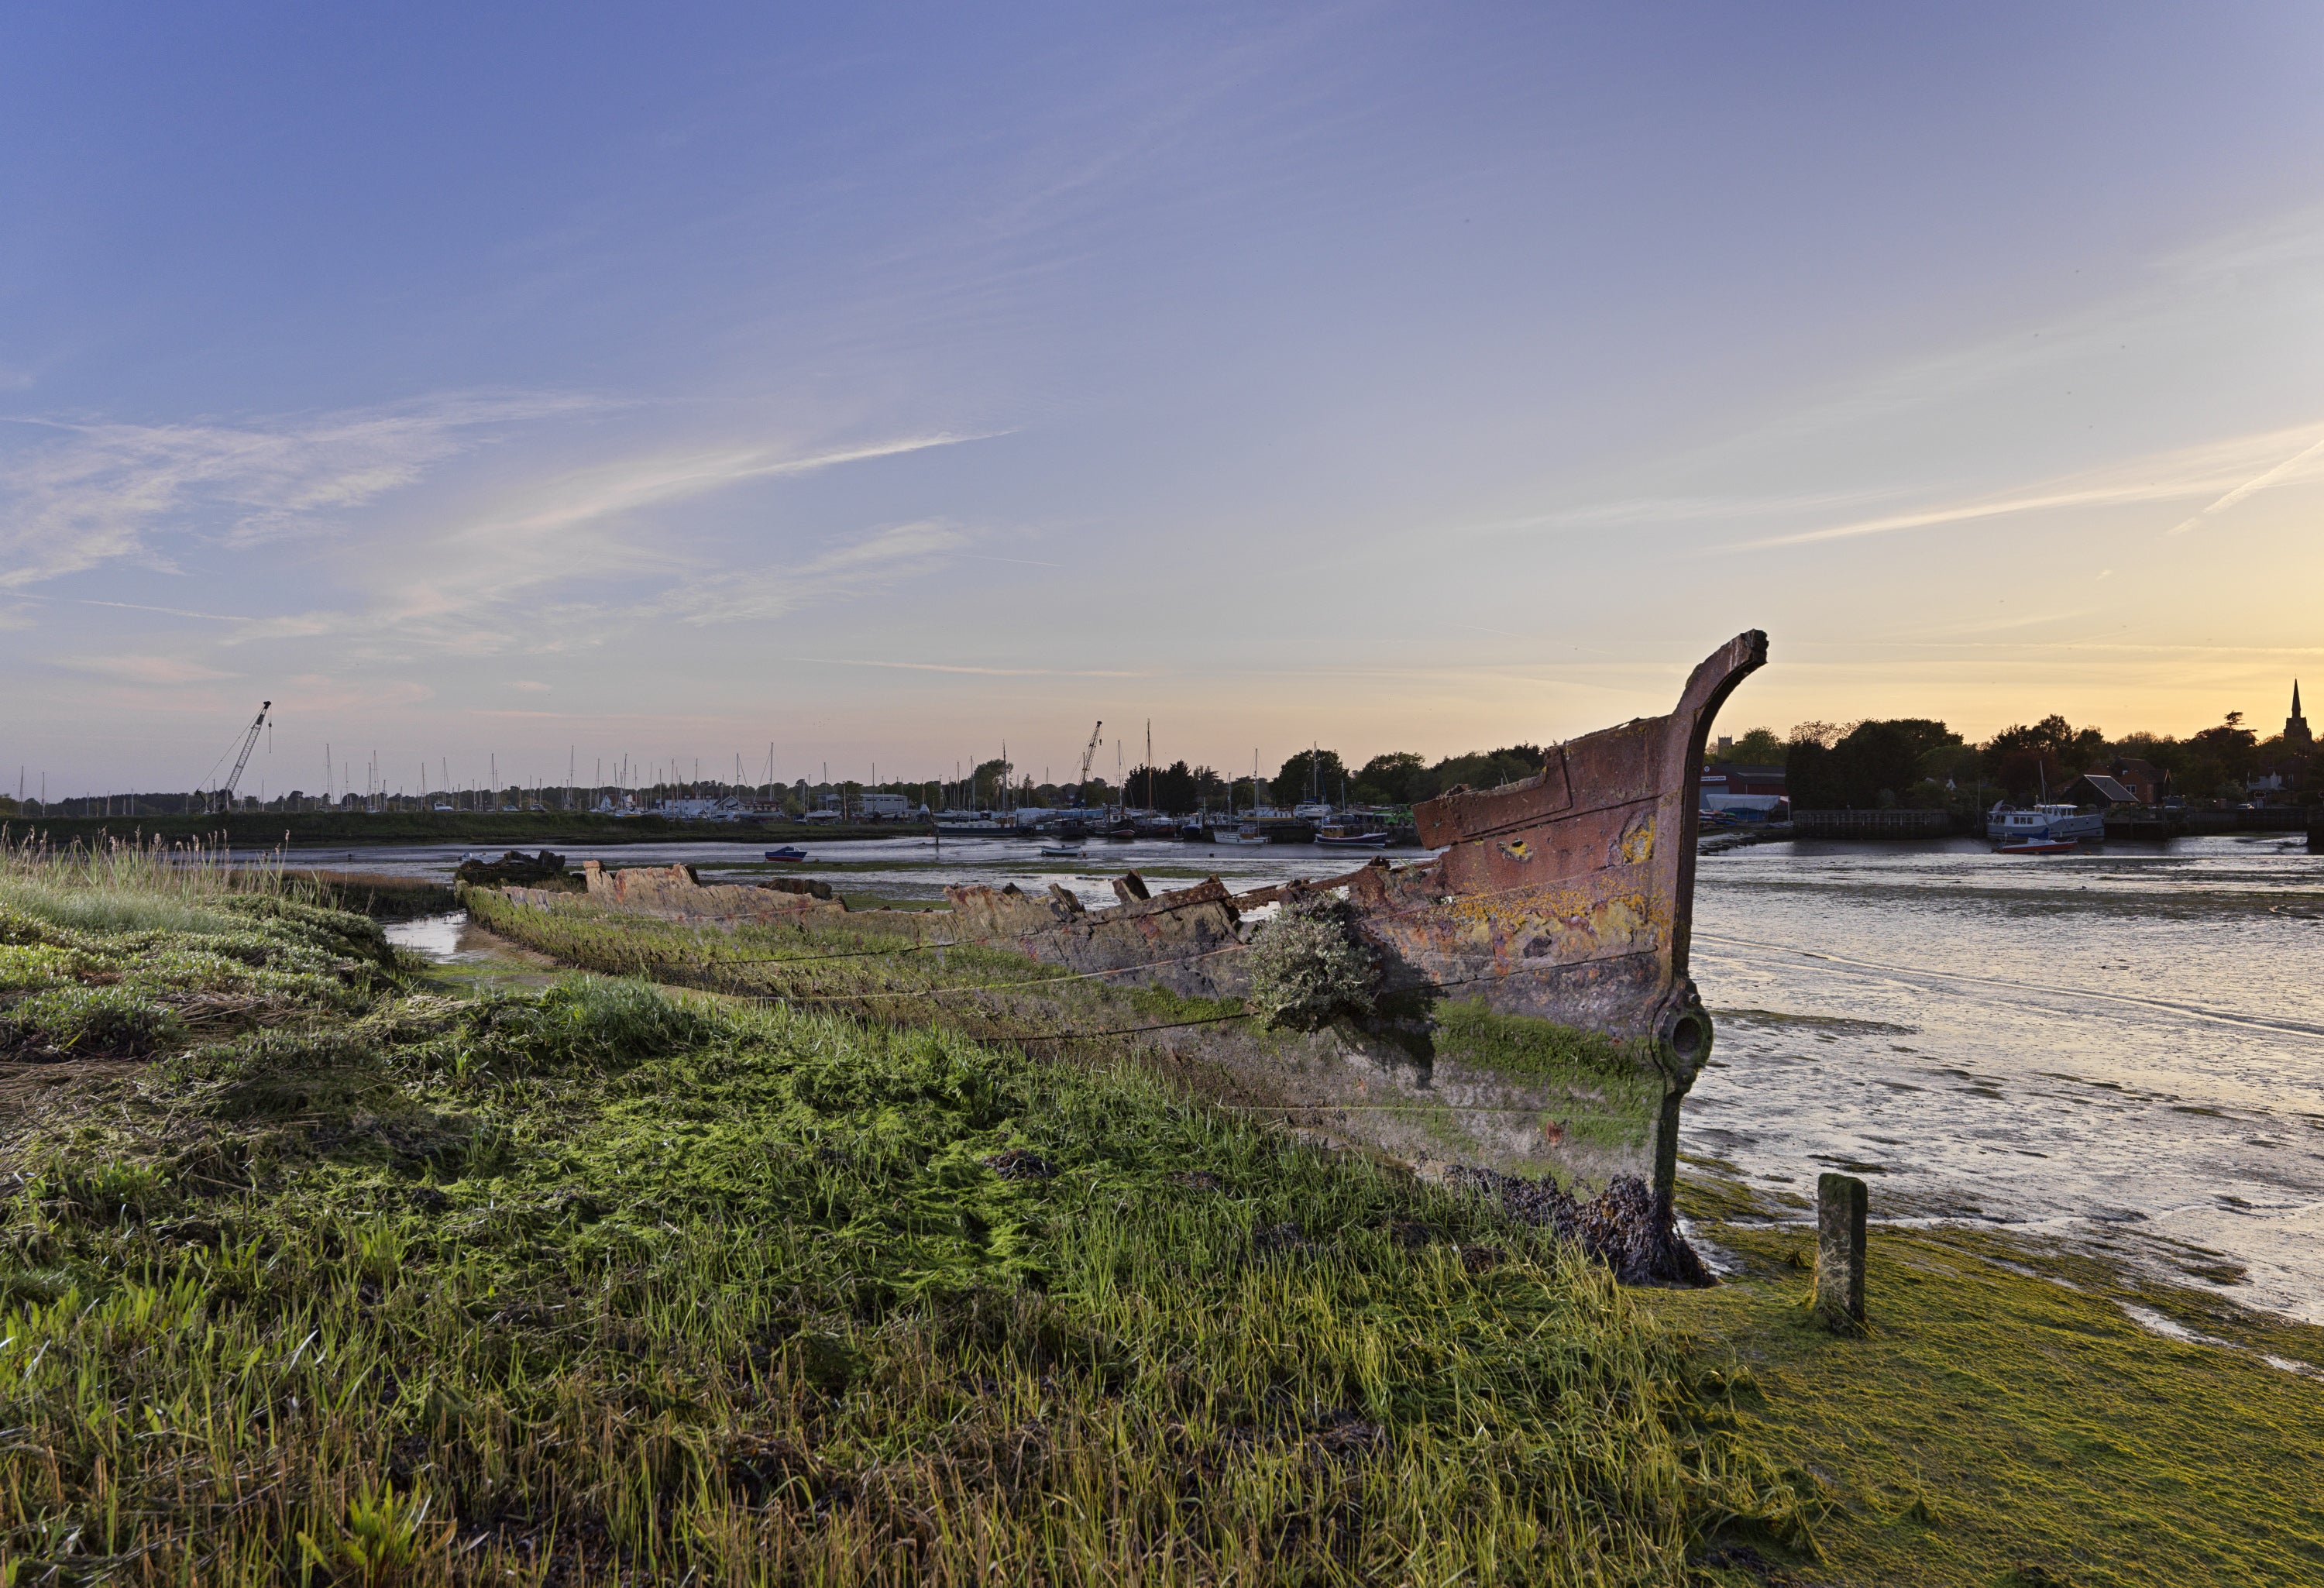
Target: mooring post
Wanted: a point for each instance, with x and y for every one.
(1840, 1252)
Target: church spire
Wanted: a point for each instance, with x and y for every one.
(2295, 727)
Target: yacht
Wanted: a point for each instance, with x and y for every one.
(2042, 824)
(974, 824)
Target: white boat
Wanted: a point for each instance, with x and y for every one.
(1062, 850)
(1249, 833)
(975, 824)
(2042, 824)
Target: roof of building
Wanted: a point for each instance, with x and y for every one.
(2108, 788)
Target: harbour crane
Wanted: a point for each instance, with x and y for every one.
(1088, 751)
(223, 800)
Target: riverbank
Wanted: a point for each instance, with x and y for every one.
(261, 830)
(2019, 1412)
(489, 1276)
(363, 1277)
(2015, 1388)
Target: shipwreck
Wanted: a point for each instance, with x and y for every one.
(1535, 1013)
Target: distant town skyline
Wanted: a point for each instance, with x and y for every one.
(887, 384)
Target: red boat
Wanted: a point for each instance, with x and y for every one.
(2038, 846)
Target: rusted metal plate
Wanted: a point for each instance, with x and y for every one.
(1464, 813)
(1571, 896)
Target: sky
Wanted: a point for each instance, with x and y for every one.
(526, 387)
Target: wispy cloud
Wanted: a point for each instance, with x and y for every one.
(584, 526)
(2174, 477)
(845, 571)
(74, 494)
(2288, 469)
(145, 669)
(990, 672)
(215, 617)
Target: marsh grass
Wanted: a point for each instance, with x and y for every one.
(1996, 1426)
(121, 953)
(889, 972)
(614, 1285)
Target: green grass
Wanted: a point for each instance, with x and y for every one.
(1998, 1428)
(612, 1284)
(122, 954)
(896, 973)
(606, 1282)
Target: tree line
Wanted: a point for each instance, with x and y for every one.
(1918, 763)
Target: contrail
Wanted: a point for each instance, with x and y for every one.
(2249, 486)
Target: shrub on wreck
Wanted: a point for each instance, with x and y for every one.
(1309, 967)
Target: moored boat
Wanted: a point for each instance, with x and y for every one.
(2042, 822)
(787, 855)
(1338, 836)
(2038, 846)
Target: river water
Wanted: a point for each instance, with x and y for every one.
(2124, 1047)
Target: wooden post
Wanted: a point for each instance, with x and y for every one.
(1840, 1252)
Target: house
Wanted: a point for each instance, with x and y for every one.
(2147, 782)
(1754, 793)
(2098, 788)
(1728, 778)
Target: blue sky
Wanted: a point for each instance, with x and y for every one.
(888, 382)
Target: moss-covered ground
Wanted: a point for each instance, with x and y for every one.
(2016, 1415)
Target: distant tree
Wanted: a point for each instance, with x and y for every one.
(1875, 765)
(988, 783)
(1178, 789)
(1760, 747)
(2233, 747)
(1827, 734)
(2027, 761)
(1810, 782)
(1957, 763)
(1487, 768)
(1397, 778)
(1309, 775)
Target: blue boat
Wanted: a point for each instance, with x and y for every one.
(787, 854)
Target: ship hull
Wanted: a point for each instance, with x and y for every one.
(1556, 909)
